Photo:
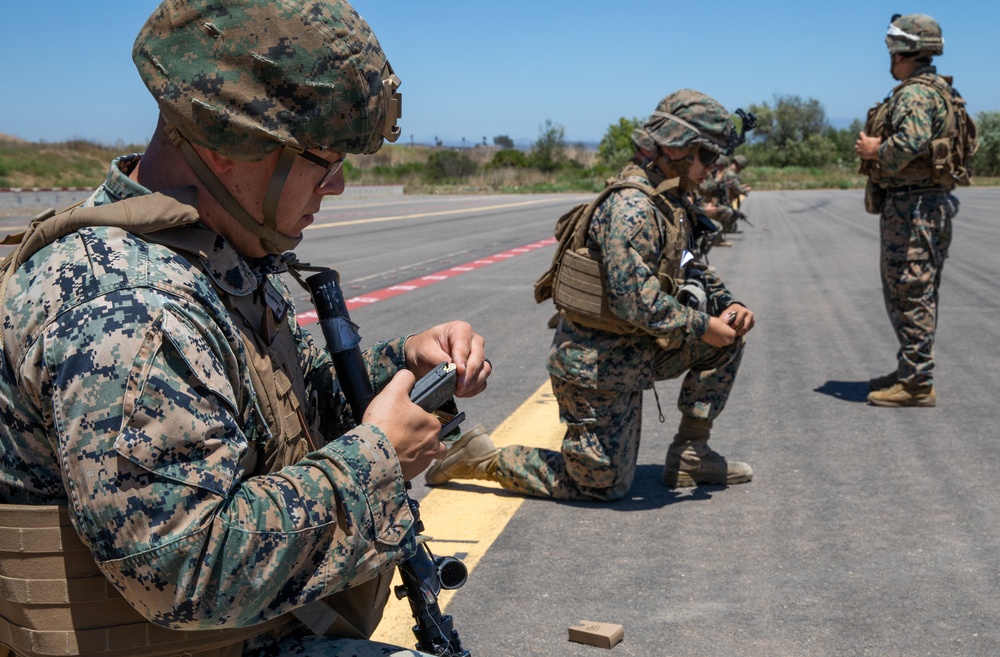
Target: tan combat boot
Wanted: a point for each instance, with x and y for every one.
(473, 456)
(900, 394)
(690, 461)
(882, 382)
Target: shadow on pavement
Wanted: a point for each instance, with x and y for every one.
(647, 492)
(851, 391)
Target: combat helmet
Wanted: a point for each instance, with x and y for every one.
(741, 161)
(246, 77)
(642, 140)
(914, 33)
(689, 117)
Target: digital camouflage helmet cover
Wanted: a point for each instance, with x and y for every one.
(914, 33)
(245, 77)
(242, 77)
(689, 117)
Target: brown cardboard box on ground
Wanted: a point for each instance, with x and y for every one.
(602, 635)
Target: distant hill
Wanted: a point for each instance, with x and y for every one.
(11, 140)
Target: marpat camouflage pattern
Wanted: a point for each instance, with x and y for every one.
(126, 394)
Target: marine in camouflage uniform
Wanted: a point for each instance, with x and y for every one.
(157, 388)
(598, 376)
(711, 199)
(917, 211)
(732, 189)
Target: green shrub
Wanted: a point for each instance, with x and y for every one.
(444, 165)
(509, 157)
(549, 152)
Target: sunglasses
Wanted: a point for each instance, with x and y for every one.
(331, 167)
(707, 157)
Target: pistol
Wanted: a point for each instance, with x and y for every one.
(435, 393)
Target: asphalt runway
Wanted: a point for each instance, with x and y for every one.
(866, 531)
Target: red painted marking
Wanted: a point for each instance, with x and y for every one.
(309, 316)
(18, 190)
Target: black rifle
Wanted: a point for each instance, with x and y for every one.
(742, 217)
(703, 233)
(423, 575)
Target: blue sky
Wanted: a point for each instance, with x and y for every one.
(473, 69)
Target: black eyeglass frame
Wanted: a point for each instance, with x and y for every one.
(331, 167)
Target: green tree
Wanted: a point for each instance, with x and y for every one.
(794, 132)
(616, 146)
(791, 119)
(549, 152)
(503, 141)
(986, 162)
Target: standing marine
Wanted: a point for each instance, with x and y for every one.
(914, 149)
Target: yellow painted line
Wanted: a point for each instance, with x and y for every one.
(419, 215)
(462, 521)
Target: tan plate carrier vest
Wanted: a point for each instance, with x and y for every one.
(945, 161)
(54, 600)
(580, 287)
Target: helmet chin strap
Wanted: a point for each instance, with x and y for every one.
(679, 168)
(270, 239)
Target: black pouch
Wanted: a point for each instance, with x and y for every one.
(874, 198)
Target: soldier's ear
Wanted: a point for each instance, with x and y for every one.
(217, 162)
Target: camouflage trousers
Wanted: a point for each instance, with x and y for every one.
(727, 218)
(915, 235)
(601, 444)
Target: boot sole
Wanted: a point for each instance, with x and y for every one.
(684, 480)
(917, 403)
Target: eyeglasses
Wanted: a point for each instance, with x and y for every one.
(707, 157)
(331, 167)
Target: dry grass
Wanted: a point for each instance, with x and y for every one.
(84, 164)
(66, 164)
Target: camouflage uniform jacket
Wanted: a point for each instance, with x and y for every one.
(730, 186)
(709, 191)
(916, 115)
(126, 394)
(709, 188)
(628, 229)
